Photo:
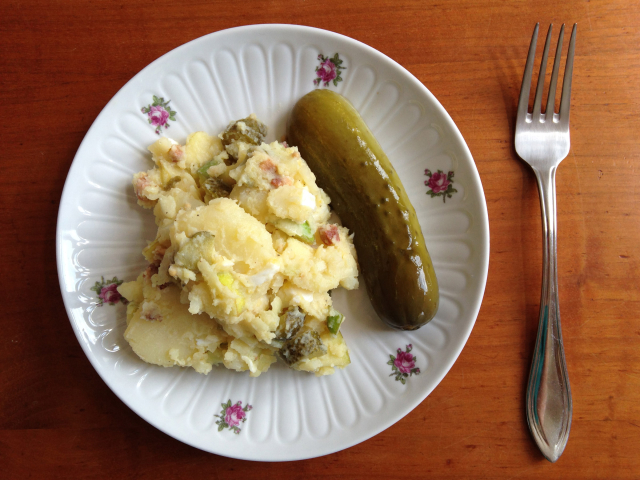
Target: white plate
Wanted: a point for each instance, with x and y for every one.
(101, 231)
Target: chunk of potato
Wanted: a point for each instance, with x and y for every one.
(237, 235)
(200, 149)
(320, 269)
(161, 330)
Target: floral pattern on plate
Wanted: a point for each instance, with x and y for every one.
(159, 113)
(232, 416)
(403, 365)
(107, 291)
(329, 70)
(440, 184)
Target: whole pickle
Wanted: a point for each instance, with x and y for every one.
(367, 194)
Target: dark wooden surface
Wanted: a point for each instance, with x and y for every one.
(60, 62)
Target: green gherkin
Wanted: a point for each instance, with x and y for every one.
(303, 345)
(217, 187)
(198, 246)
(248, 130)
(367, 194)
(171, 183)
(290, 323)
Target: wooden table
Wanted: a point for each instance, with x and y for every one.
(60, 63)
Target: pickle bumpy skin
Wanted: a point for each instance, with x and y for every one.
(367, 194)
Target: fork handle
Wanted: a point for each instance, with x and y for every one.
(548, 393)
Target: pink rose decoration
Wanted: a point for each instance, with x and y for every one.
(234, 415)
(403, 365)
(158, 116)
(107, 291)
(404, 361)
(231, 416)
(110, 294)
(438, 182)
(327, 71)
(159, 113)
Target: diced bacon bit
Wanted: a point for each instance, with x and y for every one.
(141, 183)
(152, 316)
(176, 153)
(158, 254)
(150, 271)
(285, 144)
(164, 285)
(268, 166)
(329, 234)
(279, 181)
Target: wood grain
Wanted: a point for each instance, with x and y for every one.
(61, 62)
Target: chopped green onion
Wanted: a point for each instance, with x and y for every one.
(301, 231)
(334, 320)
(203, 169)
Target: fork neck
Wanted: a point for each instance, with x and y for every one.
(546, 180)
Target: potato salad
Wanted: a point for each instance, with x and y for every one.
(246, 254)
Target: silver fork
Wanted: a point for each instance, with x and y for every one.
(542, 140)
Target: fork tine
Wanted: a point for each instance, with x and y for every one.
(566, 82)
(523, 103)
(551, 98)
(543, 70)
